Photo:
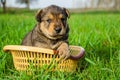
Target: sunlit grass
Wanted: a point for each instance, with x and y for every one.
(97, 33)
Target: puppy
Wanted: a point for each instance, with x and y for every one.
(51, 30)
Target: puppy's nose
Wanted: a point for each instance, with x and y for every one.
(57, 29)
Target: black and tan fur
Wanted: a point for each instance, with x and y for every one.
(51, 30)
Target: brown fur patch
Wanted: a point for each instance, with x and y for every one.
(51, 27)
(60, 16)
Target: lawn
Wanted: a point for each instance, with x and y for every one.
(98, 33)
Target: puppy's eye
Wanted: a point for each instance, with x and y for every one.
(48, 20)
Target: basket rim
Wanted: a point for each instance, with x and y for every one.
(26, 48)
(32, 48)
(8, 48)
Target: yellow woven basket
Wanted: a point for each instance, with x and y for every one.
(24, 56)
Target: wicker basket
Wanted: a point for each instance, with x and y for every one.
(24, 56)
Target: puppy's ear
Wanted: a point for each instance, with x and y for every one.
(38, 15)
(67, 12)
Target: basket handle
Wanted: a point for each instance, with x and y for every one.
(75, 57)
(79, 55)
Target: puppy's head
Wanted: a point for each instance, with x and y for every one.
(53, 21)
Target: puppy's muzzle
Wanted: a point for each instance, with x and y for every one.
(57, 29)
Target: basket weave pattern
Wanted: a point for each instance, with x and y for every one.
(24, 57)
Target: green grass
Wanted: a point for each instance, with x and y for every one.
(97, 33)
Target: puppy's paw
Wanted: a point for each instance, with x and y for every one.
(63, 51)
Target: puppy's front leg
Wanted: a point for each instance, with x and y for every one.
(63, 51)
